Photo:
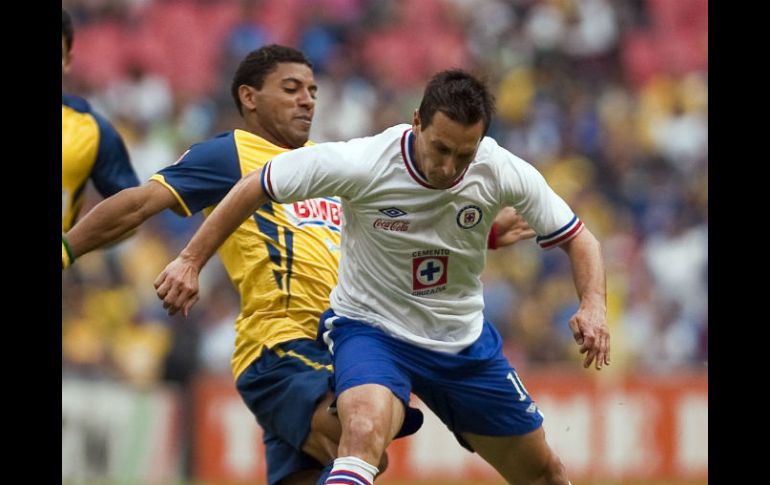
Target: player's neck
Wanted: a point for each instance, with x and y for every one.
(413, 152)
(255, 128)
(266, 136)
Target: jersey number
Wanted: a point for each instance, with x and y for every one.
(514, 378)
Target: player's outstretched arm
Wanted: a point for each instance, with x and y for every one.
(177, 284)
(115, 217)
(589, 324)
(509, 228)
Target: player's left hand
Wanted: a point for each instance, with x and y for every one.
(511, 227)
(589, 328)
(177, 286)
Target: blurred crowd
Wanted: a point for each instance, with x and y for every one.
(607, 98)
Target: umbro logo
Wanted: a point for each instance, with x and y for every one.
(532, 408)
(393, 212)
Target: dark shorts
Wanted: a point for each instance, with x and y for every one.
(476, 391)
(282, 388)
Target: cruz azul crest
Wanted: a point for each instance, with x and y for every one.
(469, 216)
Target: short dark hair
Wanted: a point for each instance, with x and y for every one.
(67, 30)
(255, 67)
(460, 96)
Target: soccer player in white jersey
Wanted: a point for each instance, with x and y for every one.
(406, 315)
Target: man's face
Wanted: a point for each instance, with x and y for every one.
(65, 56)
(445, 148)
(284, 106)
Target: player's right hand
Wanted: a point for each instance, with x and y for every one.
(177, 286)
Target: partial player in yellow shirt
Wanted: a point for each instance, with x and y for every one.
(90, 146)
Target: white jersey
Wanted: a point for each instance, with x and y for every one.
(412, 254)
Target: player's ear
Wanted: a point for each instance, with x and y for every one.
(248, 96)
(416, 119)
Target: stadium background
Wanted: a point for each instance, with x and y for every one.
(608, 99)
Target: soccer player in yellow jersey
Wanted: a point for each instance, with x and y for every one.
(90, 146)
(283, 260)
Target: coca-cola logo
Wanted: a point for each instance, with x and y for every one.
(391, 225)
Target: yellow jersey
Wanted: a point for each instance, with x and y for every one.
(282, 260)
(90, 148)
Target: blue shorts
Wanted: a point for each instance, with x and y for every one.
(282, 388)
(476, 391)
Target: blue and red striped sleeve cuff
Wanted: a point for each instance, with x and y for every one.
(267, 185)
(560, 236)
